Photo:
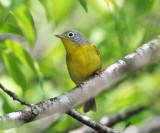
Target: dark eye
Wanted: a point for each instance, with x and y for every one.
(71, 34)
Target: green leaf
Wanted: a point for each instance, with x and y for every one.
(20, 53)
(107, 2)
(84, 4)
(113, 2)
(14, 69)
(24, 57)
(25, 21)
(56, 10)
(10, 28)
(3, 13)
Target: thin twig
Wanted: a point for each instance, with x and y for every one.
(91, 123)
(14, 96)
(112, 119)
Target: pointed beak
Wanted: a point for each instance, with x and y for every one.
(59, 36)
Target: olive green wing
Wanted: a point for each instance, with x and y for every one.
(97, 51)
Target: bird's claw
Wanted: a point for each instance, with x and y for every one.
(79, 84)
(98, 72)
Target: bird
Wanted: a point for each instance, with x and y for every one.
(83, 60)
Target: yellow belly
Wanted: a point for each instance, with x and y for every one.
(82, 62)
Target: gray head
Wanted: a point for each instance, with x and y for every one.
(75, 37)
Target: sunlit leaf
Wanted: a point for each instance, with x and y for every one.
(25, 22)
(57, 10)
(84, 4)
(17, 3)
(6, 106)
(113, 2)
(10, 28)
(14, 69)
(107, 2)
(3, 14)
(20, 53)
(24, 57)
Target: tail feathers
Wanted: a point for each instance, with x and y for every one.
(90, 105)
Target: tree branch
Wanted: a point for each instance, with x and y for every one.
(61, 104)
(111, 120)
(72, 112)
(91, 123)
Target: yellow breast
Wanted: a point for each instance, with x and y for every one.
(82, 61)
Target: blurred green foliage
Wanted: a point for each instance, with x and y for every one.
(32, 60)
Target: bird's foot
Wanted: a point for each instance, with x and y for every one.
(98, 72)
(79, 84)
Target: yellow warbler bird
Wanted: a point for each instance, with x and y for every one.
(83, 60)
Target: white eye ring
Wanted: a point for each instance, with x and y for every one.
(70, 34)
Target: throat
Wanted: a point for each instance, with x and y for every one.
(71, 48)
